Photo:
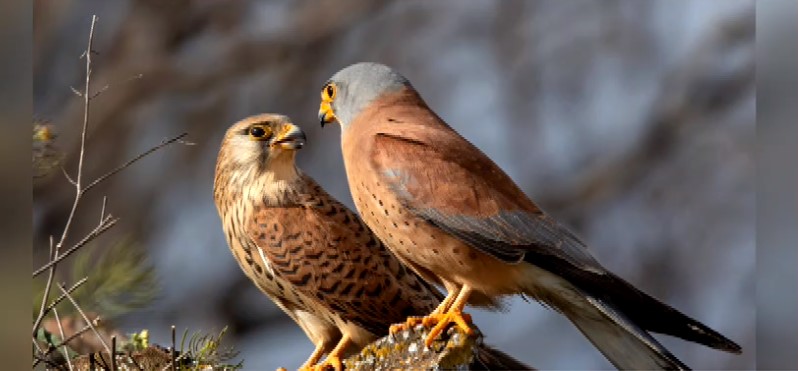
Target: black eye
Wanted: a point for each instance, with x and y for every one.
(257, 131)
(330, 90)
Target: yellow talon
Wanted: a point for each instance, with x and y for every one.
(410, 323)
(442, 321)
(333, 362)
(334, 357)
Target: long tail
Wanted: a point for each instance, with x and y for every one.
(615, 317)
(625, 345)
(491, 359)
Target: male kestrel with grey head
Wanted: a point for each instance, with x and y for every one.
(452, 215)
(310, 254)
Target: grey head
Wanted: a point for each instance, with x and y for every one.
(351, 89)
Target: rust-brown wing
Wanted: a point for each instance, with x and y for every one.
(328, 254)
(444, 179)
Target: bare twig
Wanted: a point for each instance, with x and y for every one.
(66, 341)
(174, 349)
(104, 88)
(76, 91)
(52, 307)
(47, 287)
(36, 344)
(106, 220)
(39, 354)
(69, 178)
(102, 211)
(173, 354)
(62, 297)
(77, 182)
(43, 358)
(132, 161)
(109, 223)
(82, 155)
(85, 318)
(113, 353)
(61, 331)
(100, 229)
(74, 336)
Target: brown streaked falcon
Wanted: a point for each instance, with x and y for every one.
(310, 254)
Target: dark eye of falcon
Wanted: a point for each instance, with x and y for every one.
(257, 132)
(330, 90)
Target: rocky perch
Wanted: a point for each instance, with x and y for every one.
(454, 350)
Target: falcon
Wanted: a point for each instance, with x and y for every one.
(310, 254)
(452, 215)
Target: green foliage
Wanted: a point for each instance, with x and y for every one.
(50, 341)
(138, 341)
(206, 350)
(120, 280)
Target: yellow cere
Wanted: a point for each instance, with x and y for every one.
(283, 131)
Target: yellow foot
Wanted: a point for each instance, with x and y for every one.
(442, 321)
(331, 363)
(281, 369)
(409, 323)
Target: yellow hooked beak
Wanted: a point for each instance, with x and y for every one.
(289, 137)
(326, 114)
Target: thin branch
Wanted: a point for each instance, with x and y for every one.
(38, 348)
(71, 181)
(104, 88)
(132, 161)
(173, 354)
(74, 336)
(67, 340)
(185, 142)
(174, 349)
(109, 222)
(76, 91)
(106, 221)
(82, 156)
(77, 182)
(62, 297)
(86, 101)
(47, 287)
(42, 358)
(85, 318)
(102, 211)
(113, 353)
(47, 310)
(61, 330)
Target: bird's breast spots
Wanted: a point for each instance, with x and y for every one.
(258, 269)
(248, 259)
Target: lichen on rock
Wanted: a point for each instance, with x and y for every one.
(454, 350)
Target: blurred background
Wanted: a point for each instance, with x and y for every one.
(632, 122)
